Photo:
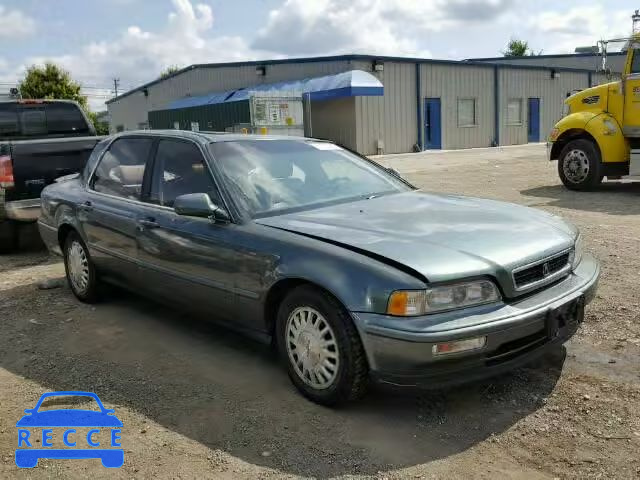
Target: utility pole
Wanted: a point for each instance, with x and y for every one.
(116, 83)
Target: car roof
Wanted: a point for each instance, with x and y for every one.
(212, 136)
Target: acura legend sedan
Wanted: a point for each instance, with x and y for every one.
(352, 272)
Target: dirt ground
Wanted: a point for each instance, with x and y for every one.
(199, 402)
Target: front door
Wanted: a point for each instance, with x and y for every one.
(632, 94)
(432, 124)
(188, 260)
(108, 215)
(533, 130)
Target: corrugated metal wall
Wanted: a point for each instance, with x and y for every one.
(335, 120)
(391, 118)
(524, 84)
(450, 83)
(132, 110)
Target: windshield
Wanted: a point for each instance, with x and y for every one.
(268, 176)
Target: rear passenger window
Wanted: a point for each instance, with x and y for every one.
(33, 121)
(121, 169)
(65, 118)
(180, 169)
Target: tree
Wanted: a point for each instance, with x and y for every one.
(519, 48)
(102, 127)
(170, 70)
(52, 82)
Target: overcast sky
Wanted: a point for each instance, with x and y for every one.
(135, 39)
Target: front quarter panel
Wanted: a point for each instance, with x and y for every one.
(359, 282)
(607, 133)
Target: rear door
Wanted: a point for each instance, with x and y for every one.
(193, 258)
(533, 120)
(109, 215)
(432, 124)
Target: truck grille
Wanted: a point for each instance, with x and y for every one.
(547, 269)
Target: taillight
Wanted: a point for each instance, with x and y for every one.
(6, 172)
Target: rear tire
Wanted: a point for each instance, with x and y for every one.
(321, 347)
(9, 236)
(81, 273)
(579, 165)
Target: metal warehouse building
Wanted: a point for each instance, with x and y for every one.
(424, 103)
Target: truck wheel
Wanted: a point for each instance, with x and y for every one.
(579, 165)
(81, 273)
(8, 237)
(321, 347)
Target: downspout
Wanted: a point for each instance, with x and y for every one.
(590, 79)
(419, 107)
(496, 106)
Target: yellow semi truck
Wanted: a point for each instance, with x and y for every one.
(600, 135)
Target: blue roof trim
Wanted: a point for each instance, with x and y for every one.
(347, 92)
(341, 85)
(344, 58)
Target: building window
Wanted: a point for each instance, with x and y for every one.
(467, 112)
(514, 111)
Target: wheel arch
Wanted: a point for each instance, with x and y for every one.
(568, 136)
(277, 293)
(63, 232)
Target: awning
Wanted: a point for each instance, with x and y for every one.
(346, 84)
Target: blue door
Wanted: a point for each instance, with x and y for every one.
(432, 124)
(534, 120)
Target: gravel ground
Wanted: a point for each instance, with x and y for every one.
(199, 402)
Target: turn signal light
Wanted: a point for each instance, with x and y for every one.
(458, 346)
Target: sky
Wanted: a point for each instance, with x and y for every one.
(134, 40)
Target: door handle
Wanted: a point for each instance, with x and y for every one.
(147, 223)
(86, 206)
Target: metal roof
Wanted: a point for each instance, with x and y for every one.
(344, 84)
(557, 55)
(349, 57)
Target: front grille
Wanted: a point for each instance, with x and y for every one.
(541, 271)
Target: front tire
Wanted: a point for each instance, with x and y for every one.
(81, 273)
(321, 347)
(579, 165)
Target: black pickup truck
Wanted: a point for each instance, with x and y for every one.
(40, 140)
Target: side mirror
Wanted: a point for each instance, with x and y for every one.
(200, 205)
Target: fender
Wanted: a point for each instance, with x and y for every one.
(608, 135)
(601, 127)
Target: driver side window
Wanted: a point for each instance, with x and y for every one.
(180, 169)
(635, 62)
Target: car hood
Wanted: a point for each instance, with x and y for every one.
(69, 418)
(442, 237)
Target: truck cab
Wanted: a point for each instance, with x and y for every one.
(600, 135)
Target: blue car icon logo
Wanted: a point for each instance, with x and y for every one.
(66, 420)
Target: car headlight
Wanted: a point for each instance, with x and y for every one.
(576, 254)
(443, 297)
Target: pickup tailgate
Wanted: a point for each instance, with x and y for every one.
(37, 163)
